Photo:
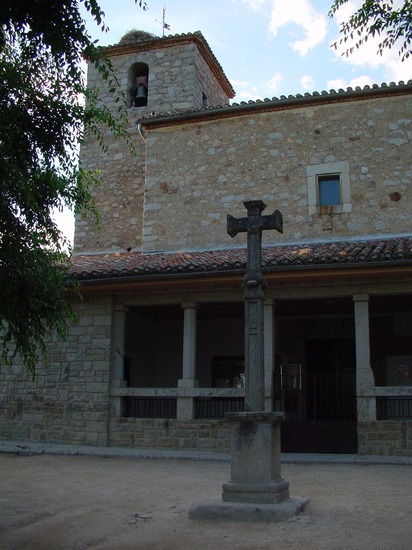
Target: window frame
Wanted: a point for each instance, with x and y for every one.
(316, 171)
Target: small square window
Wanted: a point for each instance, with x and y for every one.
(329, 190)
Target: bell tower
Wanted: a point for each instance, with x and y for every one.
(173, 74)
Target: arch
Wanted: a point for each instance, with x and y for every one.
(138, 85)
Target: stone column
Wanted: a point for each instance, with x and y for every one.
(366, 406)
(117, 357)
(185, 403)
(269, 351)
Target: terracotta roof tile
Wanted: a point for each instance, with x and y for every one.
(283, 102)
(138, 265)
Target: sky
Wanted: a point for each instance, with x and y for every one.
(267, 48)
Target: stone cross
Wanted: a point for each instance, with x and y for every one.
(254, 296)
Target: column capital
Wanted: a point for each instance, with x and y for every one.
(360, 297)
(189, 305)
(121, 308)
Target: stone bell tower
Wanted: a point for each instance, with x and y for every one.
(172, 74)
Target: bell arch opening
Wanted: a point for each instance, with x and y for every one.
(138, 80)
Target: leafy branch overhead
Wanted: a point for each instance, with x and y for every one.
(45, 112)
(377, 18)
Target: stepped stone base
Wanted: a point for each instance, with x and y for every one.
(248, 512)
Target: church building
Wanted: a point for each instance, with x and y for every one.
(156, 358)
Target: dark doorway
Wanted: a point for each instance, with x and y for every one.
(320, 410)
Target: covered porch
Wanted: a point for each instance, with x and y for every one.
(338, 363)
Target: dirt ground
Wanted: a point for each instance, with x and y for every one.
(77, 502)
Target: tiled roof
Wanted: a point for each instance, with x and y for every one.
(125, 265)
(283, 102)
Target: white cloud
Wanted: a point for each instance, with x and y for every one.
(274, 82)
(367, 54)
(337, 84)
(255, 5)
(361, 81)
(307, 83)
(244, 91)
(303, 14)
(346, 10)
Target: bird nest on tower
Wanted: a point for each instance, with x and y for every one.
(134, 36)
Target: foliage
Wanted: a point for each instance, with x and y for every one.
(378, 18)
(43, 118)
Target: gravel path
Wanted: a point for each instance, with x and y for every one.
(78, 502)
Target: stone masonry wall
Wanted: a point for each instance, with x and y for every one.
(118, 198)
(68, 400)
(198, 173)
(206, 83)
(202, 435)
(382, 438)
(385, 437)
(178, 77)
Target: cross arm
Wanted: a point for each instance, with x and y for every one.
(273, 221)
(236, 225)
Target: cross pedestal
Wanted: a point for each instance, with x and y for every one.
(256, 491)
(255, 466)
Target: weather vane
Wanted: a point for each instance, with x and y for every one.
(163, 22)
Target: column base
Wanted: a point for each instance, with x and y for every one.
(264, 493)
(188, 383)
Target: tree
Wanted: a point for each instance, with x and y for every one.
(43, 118)
(378, 18)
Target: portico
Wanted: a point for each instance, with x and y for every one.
(298, 317)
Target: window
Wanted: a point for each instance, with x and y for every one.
(328, 186)
(329, 190)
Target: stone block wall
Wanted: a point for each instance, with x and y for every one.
(206, 83)
(68, 400)
(198, 173)
(201, 435)
(178, 76)
(118, 197)
(385, 437)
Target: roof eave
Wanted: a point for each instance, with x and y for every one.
(277, 104)
(275, 273)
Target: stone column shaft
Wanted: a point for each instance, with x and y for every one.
(366, 407)
(117, 356)
(254, 348)
(186, 405)
(189, 340)
(269, 352)
(118, 340)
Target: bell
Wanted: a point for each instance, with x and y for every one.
(140, 97)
